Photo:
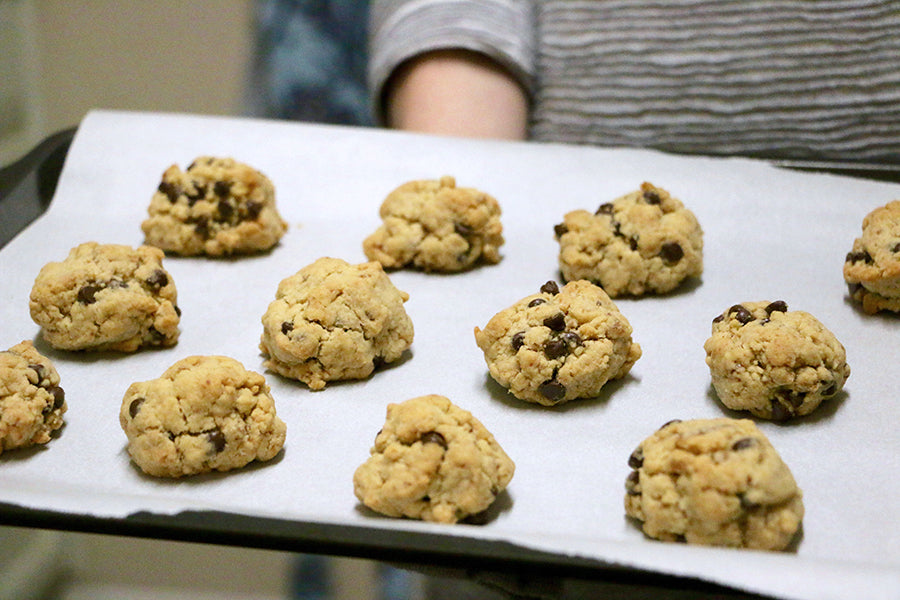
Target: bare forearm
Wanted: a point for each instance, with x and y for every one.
(459, 93)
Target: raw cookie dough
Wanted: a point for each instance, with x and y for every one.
(433, 461)
(872, 267)
(106, 297)
(205, 413)
(31, 402)
(715, 482)
(435, 226)
(775, 363)
(217, 207)
(333, 320)
(558, 345)
(642, 243)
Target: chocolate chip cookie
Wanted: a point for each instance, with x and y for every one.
(558, 344)
(716, 482)
(217, 207)
(31, 401)
(106, 297)
(435, 226)
(333, 320)
(432, 461)
(642, 243)
(205, 413)
(775, 363)
(872, 267)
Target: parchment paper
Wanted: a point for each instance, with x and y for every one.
(769, 234)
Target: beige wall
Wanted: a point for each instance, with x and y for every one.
(160, 55)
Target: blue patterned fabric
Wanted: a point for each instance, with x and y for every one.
(310, 62)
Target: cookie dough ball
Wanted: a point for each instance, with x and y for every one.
(217, 207)
(435, 226)
(645, 242)
(205, 413)
(432, 461)
(31, 402)
(774, 363)
(558, 345)
(332, 321)
(872, 267)
(716, 482)
(106, 297)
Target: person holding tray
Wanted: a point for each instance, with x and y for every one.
(786, 80)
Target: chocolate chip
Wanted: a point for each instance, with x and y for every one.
(217, 439)
(556, 322)
(896, 247)
(287, 327)
(86, 295)
(719, 318)
(740, 313)
(572, 338)
(604, 209)
(177, 310)
(777, 306)
(39, 369)
(550, 288)
(631, 483)
(794, 397)
(222, 188)
(59, 396)
(253, 209)
(552, 390)
(463, 229)
(780, 412)
(536, 302)
(135, 407)
(789, 400)
(201, 226)
(199, 193)
(518, 340)
(158, 279)
(671, 253)
(560, 230)
(171, 190)
(433, 437)
(743, 444)
(555, 348)
(225, 209)
(667, 423)
(636, 460)
(651, 196)
(633, 243)
(862, 256)
(616, 228)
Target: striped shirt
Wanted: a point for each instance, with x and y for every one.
(797, 79)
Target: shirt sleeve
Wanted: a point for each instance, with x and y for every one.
(399, 30)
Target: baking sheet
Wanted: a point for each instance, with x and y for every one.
(769, 234)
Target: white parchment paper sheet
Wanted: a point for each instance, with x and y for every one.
(769, 234)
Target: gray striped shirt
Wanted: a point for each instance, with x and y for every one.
(801, 79)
